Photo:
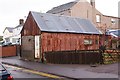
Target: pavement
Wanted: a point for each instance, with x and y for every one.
(73, 71)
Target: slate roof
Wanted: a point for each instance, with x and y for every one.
(56, 23)
(10, 29)
(62, 7)
(19, 25)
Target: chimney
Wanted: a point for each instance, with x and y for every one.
(92, 2)
(21, 21)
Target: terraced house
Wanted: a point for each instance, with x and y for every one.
(86, 10)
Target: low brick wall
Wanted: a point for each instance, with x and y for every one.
(7, 51)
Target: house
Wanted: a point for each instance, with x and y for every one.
(115, 38)
(12, 34)
(86, 10)
(43, 32)
(7, 33)
(16, 37)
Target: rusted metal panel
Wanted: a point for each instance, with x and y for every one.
(30, 27)
(67, 41)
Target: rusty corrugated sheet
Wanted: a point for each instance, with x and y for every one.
(62, 42)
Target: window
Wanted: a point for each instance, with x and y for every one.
(14, 40)
(98, 18)
(87, 42)
(112, 21)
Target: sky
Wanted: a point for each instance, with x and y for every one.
(13, 10)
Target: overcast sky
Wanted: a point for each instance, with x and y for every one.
(13, 10)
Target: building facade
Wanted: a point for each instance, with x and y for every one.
(86, 10)
(13, 34)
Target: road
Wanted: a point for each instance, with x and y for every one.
(23, 74)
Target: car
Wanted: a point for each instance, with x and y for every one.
(4, 74)
(6, 44)
(1, 43)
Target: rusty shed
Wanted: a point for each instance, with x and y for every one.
(43, 32)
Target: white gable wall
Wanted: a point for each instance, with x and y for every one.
(7, 35)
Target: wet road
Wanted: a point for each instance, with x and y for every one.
(26, 74)
(20, 73)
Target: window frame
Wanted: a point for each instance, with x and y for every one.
(113, 21)
(88, 41)
(98, 18)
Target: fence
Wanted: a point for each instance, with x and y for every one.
(6, 51)
(74, 57)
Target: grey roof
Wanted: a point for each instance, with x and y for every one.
(10, 29)
(19, 25)
(115, 33)
(55, 23)
(62, 7)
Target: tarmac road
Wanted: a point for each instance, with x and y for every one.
(24, 74)
(72, 71)
(20, 73)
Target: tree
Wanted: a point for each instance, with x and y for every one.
(1, 38)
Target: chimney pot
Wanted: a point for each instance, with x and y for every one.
(21, 21)
(92, 3)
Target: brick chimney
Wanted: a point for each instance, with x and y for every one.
(92, 2)
(21, 21)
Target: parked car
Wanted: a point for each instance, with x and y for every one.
(6, 44)
(1, 43)
(4, 74)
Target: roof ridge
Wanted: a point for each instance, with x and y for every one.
(63, 6)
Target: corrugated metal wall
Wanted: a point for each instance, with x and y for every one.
(67, 41)
(30, 27)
